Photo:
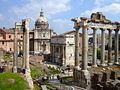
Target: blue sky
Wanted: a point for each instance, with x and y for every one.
(58, 12)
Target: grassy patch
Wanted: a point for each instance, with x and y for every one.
(36, 72)
(67, 79)
(54, 71)
(36, 87)
(11, 81)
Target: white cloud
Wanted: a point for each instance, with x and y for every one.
(32, 7)
(113, 9)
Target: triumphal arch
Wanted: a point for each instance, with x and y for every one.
(97, 22)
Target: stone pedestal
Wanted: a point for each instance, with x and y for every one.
(82, 77)
(29, 79)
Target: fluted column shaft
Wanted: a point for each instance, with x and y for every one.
(15, 62)
(77, 48)
(116, 46)
(103, 47)
(94, 47)
(110, 48)
(84, 48)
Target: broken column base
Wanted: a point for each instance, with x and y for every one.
(29, 79)
(82, 77)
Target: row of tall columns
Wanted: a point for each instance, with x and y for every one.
(85, 47)
(103, 47)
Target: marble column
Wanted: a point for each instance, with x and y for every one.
(28, 77)
(94, 63)
(63, 56)
(84, 48)
(15, 62)
(110, 48)
(116, 46)
(25, 23)
(77, 48)
(103, 47)
(24, 47)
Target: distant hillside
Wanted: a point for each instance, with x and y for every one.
(11, 81)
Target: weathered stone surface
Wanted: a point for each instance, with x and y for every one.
(104, 77)
(112, 75)
(82, 78)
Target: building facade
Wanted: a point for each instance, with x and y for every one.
(63, 48)
(7, 39)
(42, 35)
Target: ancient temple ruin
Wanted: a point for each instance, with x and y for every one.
(97, 21)
(25, 69)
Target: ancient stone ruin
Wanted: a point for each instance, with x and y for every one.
(25, 63)
(97, 21)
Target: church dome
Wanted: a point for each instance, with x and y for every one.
(41, 22)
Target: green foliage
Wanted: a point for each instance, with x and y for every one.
(54, 71)
(7, 58)
(67, 79)
(36, 72)
(99, 54)
(18, 84)
(36, 87)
